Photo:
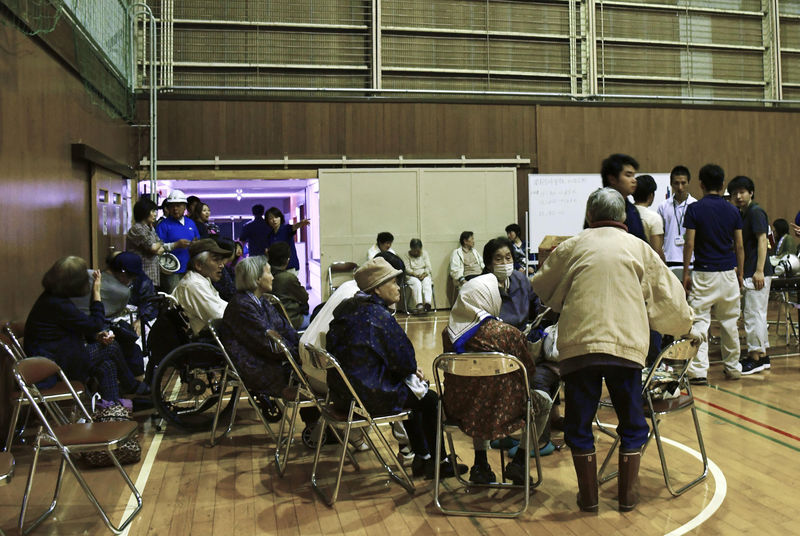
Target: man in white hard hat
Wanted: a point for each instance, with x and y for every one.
(177, 232)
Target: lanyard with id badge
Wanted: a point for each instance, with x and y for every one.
(679, 240)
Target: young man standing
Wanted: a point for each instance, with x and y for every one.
(714, 235)
(757, 273)
(673, 212)
(619, 172)
(653, 224)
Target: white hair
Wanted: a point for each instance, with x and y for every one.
(605, 204)
(248, 272)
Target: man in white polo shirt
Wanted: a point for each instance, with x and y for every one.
(672, 211)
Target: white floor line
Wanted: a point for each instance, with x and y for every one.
(720, 490)
(144, 475)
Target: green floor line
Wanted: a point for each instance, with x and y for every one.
(753, 400)
(743, 427)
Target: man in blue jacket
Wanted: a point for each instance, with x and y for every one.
(177, 232)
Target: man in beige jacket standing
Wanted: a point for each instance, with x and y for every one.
(610, 288)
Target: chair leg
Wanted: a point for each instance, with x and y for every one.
(403, 479)
(28, 487)
(96, 503)
(12, 426)
(223, 385)
(665, 469)
(603, 478)
(285, 442)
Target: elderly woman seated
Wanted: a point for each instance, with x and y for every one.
(495, 407)
(610, 288)
(378, 359)
(56, 329)
(419, 275)
(247, 318)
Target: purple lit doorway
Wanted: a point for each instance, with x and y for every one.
(231, 203)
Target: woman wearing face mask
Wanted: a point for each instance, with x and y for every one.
(515, 289)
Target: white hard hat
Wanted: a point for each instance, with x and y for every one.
(176, 196)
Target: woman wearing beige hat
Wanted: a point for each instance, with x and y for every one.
(378, 359)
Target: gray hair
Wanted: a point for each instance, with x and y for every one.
(198, 260)
(248, 272)
(605, 204)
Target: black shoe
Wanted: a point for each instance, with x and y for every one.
(749, 366)
(698, 381)
(426, 468)
(516, 473)
(481, 474)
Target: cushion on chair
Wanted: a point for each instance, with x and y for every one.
(95, 433)
(670, 404)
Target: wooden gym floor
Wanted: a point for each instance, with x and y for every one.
(750, 428)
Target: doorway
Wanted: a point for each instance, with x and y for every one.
(231, 202)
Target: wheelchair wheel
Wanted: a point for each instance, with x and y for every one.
(271, 411)
(186, 387)
(309, 436)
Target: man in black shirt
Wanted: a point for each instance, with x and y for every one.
(757, 274)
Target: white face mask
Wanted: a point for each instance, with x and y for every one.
(503, 271)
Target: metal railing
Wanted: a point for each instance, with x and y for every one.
(692, 51)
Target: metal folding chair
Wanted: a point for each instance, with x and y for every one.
(339, 272)
(677, 355)
(231, 378)
(356, 416)
(58, 393)
(298, 395)
(69, 439)
(6, 472)
(483, 365)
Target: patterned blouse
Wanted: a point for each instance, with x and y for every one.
(374, 352)
(489, 408)
(244, 324)
(141, 238)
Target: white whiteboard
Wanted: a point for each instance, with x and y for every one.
(557, 202)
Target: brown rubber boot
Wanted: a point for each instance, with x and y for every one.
(586, 469)
(628, 481)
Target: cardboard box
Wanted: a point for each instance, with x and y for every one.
(548, 244)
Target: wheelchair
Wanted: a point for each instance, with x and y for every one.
(184, 371)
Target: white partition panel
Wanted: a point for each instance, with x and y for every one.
(435, 205)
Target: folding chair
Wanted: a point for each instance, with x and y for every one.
(345, 270)
(6, 472)
(484, 365)
(357, 416)
(276, 302)
(298, 395)
(677, 355)
(68, 439)
(231, 377)
(58, 393)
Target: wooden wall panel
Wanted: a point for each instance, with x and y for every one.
(557, 138)
(250, 129)
(45, 213)
(756, 143)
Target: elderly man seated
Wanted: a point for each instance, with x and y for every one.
(195, 292)
(609, 287)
